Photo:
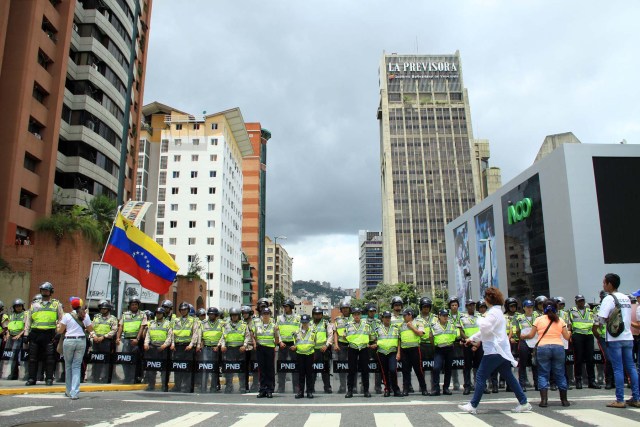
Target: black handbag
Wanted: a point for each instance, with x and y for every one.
(534, 351)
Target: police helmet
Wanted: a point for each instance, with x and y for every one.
(451, 300)
(192, 310)
(266, 310)
(317, 310)
(289, 303)
(37, 297)
(356, 310)
(527, 303)
(372, 307)
(183, 306)
(469, 302)
(559, 300)
(15, 303)
(580, 297)
(262, 301)
(46, 286)
(407, 312)
(246, 310)
(234, 311)
(425, 302)
(540, 300)
(161, 310)
(386, 314)
(104, 304)
(396, 300)
(482, 303)
(344, 304)
(305, 318)
(213, 310)
(134, 300)
(201, 312)
(167, 304)
(510, 301)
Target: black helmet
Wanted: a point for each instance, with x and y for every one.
(213, 310)
(317, 310)
(167, 304)
(540, 300)
(149, 313)
(246, 310)
(510, 301)
(289, 303)
(16, 302)
(356, 310)
(482, 303)
(104, 304)
(372, 307)
(386, 314)
(46, 286)
(262, 301)
(408, 311)
(344, 304)
(266, 310)
(451, 300)
(201, 312)
(469, 302)
(580, 297)
(425, 302)
(38, 297)
(161, 310)
(559, 300)
(183, 306)
(396, 300)
(234, 311)
(134, 300)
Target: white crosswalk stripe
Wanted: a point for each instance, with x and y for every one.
(599, 418)
(258, 419)
(126, 418)
(534, 419)
(22, 410)
(323, 420)
(188, 420)
(461, 419)
(392, 419)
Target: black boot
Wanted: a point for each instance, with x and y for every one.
(544, 398)
(578, 383)
(349, 394)
(594, 385)
(563, 398)
(467, 391)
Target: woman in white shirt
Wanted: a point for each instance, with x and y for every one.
(497, 353)
(73, 325)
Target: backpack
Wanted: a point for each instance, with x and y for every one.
(615, 323)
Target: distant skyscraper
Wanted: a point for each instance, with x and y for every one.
(370, 259)
(432, 168)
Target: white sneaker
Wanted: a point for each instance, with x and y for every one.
(470, 409)
(522, 408)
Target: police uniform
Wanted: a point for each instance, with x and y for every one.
(305, 342)
(340, 324)
(265, 335)
(374, 323)
(40, 327)
(410, 354)
(324, 338)
(15, 328)
(426, 347)
(288, 324)
(581, 322)
(602, 344)
(132, 326)
(457, 350)
(387, 342)
(211, 333)
(185, 334)
(358, 335)
(444, 336)
(252, 357)
(234, 336)
(525, 351)
(469, 326)
(106, 327)
(158, 333)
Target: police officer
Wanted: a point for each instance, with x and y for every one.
(341, 345)
(539, 305)
(324, 339)
(250, 355)
(168, 308)
(427, 318)
(522, 324)
(374, 323)
(185, 341)
(265, 334)
(387, 336)
(304, 342)
(409, 352)
(236, 339)
(397, 304)
(105, 327)
(358, 334)
(158, 337)
(132, 328)
(600, 332)
(444, 334)
(201, 314)
(14, 335)
(211, 332)
(468, 327)
(581, 327)
(288, 323)
(40, 328)
(454, 316)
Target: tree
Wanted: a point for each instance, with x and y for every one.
(195, 267)
(278, 300)
(381, 295)
(103, 209)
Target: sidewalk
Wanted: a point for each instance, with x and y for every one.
(17, 387)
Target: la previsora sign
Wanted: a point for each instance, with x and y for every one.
(519, 211)
(419, 67)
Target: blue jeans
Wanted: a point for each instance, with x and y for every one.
(488, 364)
(73, 352)
(621, 354)
(551, 358)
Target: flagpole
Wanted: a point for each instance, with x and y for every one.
(113, 224)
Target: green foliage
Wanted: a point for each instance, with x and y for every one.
(278, 300)
(195, 268)
(103, 209)
(67, 221)
(382, 294)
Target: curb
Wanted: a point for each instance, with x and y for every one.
(62, 389)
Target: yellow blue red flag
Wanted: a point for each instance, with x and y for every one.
(135, 253)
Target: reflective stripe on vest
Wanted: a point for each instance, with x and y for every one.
(426, 324)
(234, 334)
(341, 324)
(158, 332)
(321, 333)
(307, 343)
(288, 326)
(408, 338)
(444, 336)
(183, 331)
(131, 324)
(45, 317)
(265, 334)
(16, 323)
(102, 325)
(397, 321)
(211, 333)
(468, 323)
(358, 338)
(581, 324)
(387, 339)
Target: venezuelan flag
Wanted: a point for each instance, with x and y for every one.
(135, 253)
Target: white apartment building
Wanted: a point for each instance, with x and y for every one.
(198, 211)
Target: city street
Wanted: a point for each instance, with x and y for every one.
(171, 409)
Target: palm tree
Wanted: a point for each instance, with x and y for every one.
(67, 221)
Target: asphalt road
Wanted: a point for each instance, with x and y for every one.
(133, 408)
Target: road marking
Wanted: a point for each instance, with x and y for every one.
(323, 420)
(534, 419)
(187, 420)
(17, 411)
(126, 418)
(460, 419)
(391, 419)
(258, 419)
(598, 418)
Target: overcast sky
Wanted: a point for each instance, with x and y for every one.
(308, 71)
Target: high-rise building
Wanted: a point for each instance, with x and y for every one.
(72, 71)
(254, 170)
(191, 169)
(371, 262)
(432, 169)
(278, 268)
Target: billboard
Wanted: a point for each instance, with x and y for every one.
(485, 242)
(463, 264)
